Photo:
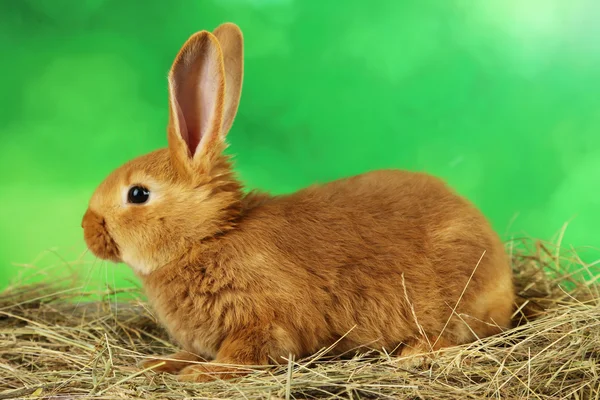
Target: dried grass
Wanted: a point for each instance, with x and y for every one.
(51, 349)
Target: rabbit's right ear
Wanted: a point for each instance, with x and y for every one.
(197, 104)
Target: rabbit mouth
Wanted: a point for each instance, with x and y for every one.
(97, 237)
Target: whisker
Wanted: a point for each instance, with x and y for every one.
(115, 295)
(85, 285)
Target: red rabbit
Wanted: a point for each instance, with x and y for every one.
(387, 259)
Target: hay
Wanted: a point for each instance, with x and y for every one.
(51, 349)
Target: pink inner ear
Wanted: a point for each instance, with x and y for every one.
(181, 124)
(189, 111)
(196, 98)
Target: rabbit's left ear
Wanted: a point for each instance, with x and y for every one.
(197, 104)
(231, 41)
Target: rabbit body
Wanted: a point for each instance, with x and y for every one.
(377, 259)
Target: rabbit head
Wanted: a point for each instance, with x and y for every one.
(149, 211)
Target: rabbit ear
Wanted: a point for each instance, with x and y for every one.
(232, 45)
(197, 103)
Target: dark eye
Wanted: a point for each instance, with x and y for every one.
(138, 195)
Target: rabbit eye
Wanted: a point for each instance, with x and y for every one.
(138, 195)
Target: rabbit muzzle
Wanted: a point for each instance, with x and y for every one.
(98, 238)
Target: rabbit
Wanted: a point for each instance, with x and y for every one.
(386, 260)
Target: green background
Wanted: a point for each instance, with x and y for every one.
(500, 97)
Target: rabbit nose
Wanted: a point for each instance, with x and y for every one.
(86, 217)
(97, 237)
(91, 217)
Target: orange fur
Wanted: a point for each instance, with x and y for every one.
(172, 363)
(386, 260)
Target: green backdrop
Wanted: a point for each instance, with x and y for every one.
(500, 97)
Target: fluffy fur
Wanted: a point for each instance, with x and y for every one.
(388, 260)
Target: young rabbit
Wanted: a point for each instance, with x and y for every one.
(388, 259)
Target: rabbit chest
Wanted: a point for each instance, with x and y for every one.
(191, 317)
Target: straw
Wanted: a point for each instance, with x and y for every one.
(52, 347)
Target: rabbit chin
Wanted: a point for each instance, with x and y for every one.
(139, 265)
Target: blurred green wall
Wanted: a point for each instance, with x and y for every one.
(500, 97)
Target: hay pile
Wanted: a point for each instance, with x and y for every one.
(49, 349)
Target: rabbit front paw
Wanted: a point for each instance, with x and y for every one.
(208, 373)
(171, 364)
